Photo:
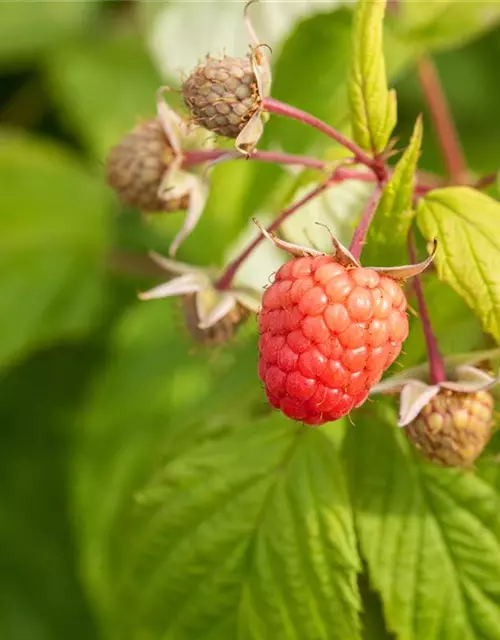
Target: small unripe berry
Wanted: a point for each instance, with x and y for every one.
(136, 167)
(453, 428)
(327, 333)
(222, 95)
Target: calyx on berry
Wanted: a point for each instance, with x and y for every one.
(147, 168)
(212, 315)
(328, 329)
(416, 391)
(225, 95)
(344, 257)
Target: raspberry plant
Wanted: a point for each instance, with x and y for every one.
(290, 431)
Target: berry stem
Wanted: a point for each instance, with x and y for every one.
(359, 236)
(437, 371)
(281, 109)
(198, 157)
(226, 278)
(442, 118)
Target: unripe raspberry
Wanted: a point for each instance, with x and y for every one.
(453, 428)
(220, 332)
(136, 167)
(327, 333)
(222, 95)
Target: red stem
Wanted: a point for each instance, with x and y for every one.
(443, 121)
(359, 236)
(226, 278)
(436, 365)
(198, 157)
(281, 109)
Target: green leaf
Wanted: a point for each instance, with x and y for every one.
(387, 238)
(208, 520)
(374, 627)
(467, 226)
(29, 28)
(103, 88)
(430, 536)
(373, 106)
(235, 547)
(53, 232)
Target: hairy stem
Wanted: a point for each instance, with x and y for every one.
(281, 109)
(442, 118)
(226, 278)
(359, 236)
(436, 365)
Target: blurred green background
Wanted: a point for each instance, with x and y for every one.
(91, 381)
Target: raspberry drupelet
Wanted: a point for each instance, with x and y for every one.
(328, 330)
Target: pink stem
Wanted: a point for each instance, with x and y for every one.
(437, 371)
(443, 121)
(226, 278)
(198, 157)
(281, 109)
(361, 230)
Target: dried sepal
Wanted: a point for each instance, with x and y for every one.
(457, 366)
(289, 247)
(414, 396)
(416, 392)
(410, 270)
(218, 333)
(344, 257)
(210, 312)
(146, 168)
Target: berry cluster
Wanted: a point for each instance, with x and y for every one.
(328, 327)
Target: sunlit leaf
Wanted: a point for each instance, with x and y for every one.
(373, 106)
(234, 525)
(430, 536)
(467, 226)
(387, 237)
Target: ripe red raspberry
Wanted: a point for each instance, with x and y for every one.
(327, 333)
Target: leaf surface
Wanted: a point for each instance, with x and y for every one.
(430, 536)
(467, 226)
(373, 106)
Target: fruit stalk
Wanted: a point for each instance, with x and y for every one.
(281, 109)
(437, 371)
(200, 156)
(361, 230)
(226, 278)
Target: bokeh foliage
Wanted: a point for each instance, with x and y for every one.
(146, 491)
